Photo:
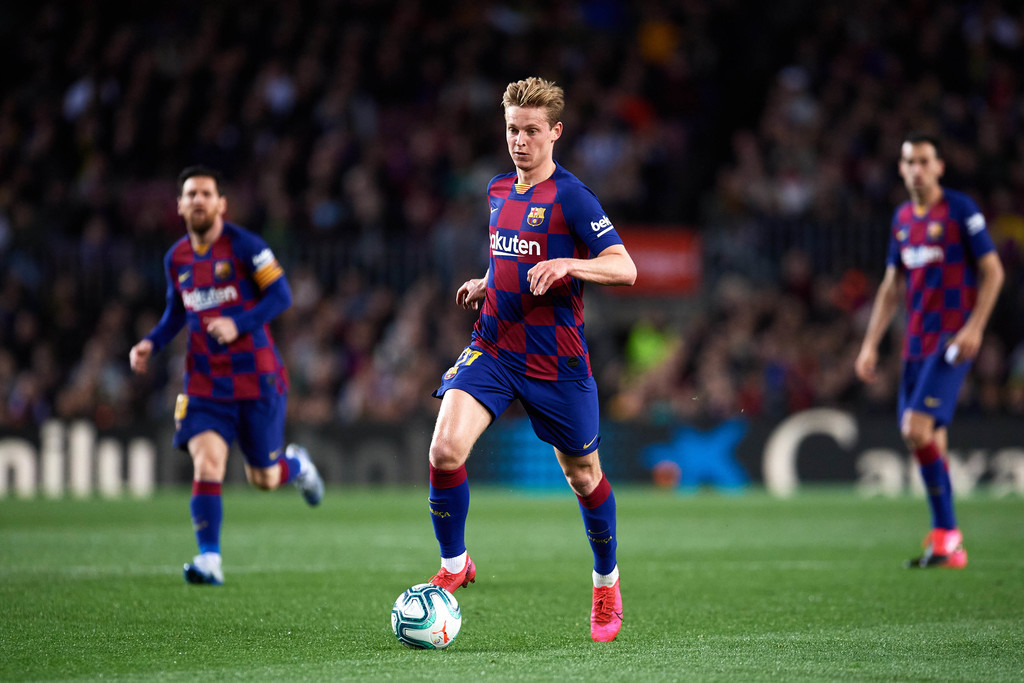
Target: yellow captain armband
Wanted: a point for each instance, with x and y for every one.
(265, 268)
(268, 274)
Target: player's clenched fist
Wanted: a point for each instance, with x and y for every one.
(223, 329)
(471, 293)
(139, 355)
(866, 363)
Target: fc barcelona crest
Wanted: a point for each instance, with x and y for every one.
(223, 270)
(934, 230)
(536, 216)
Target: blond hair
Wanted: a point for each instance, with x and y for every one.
(536, 92)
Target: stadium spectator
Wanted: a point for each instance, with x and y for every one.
(312, 113)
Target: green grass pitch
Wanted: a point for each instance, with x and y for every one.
(715, 588)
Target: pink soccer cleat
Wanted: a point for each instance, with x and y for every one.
(606, 616)
(943, 548)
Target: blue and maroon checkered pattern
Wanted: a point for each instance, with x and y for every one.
(225, 281)
(938, 251)
(540, 336)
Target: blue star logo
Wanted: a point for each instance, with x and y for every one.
(704, 457)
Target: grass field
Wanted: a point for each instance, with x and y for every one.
(716, 588)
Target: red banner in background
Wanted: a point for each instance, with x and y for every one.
(667, 257)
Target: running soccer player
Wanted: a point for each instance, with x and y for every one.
(224, 283)
(548, 236)
(939, 244)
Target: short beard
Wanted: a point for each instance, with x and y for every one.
(200, 228)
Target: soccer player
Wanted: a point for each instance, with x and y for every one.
(224, 283)
(939, 244)
(548, 236)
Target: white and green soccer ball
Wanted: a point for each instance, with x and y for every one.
(426, 617)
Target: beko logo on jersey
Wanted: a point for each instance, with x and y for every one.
(602, 226)
(513, 246)
(975, 224)
(202, 299)
(916, 257)
(263, 258)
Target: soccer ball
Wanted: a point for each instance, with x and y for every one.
(426, 617)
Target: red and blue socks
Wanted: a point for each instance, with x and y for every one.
(207, 514)
(449, 506)
(598, 510)
(935, 473)
(290, 468)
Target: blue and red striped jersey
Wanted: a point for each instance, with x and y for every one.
(227, 279)
(540, 336)
(938, 251)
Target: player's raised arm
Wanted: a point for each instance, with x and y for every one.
(275, 293)
(613, 266)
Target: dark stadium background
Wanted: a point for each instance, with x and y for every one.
(758, 140)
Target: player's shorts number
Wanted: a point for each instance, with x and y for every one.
(181, 407)
(466, 359)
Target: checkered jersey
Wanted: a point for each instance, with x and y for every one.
(938, 251)
(539, 336)
(226, 280)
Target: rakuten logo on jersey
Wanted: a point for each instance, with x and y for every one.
(918, 257)
(513, 246)
(203, 299)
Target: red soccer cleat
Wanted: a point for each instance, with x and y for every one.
(606, 616)
(450, 580)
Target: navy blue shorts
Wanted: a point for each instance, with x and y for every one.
(563, 413)
(258, 425)
(931, 385)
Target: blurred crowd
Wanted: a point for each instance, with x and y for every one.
(357, 138)
(796, 224)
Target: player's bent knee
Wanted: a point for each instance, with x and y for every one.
(208, 469)
(917, 430)
(445, 455)
(264, 479)
(584, 487)
(583, 481)
(916, 437)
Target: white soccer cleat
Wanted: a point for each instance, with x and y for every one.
(309, 482)
(204, 569)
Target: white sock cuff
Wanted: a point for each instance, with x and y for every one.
(606, 579)
(208, 559)
(455, 564)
